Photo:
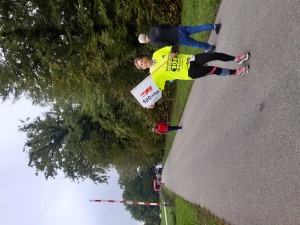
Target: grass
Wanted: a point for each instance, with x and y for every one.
(185, 213)
(182, 212)
(170, 215)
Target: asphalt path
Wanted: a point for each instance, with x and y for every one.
(239, 151)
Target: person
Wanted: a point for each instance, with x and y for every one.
(163, 128)
(167, 65)
(179, 35)
(157, 184)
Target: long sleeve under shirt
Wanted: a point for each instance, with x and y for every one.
(164, 35)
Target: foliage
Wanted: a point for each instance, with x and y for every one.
(65, 140)
(76, 57)
(59, 50)
(140, 188)
(83, 146)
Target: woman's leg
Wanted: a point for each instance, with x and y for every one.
(173, 128)
(197, 71)
(203, 58)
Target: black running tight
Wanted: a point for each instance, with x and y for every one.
(199, 69)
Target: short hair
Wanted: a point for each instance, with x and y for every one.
(142, 38)
(142, 56)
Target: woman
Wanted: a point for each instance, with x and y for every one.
(163, 128)
(165, 65)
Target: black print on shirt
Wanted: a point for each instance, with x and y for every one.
(174, 65)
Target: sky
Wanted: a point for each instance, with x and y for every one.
(32, 200)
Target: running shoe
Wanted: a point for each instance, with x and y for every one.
(243, 70)
(218, 28)
(242, 58)
(212, 50)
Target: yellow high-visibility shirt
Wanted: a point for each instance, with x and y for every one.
(174, 69)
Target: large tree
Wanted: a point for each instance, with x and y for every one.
(85, 146)
(57, 49)
(50, 45)
(77, 55)
(65, 140)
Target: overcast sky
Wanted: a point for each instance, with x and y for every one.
(31, 200)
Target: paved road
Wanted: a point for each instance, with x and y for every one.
(240, 146)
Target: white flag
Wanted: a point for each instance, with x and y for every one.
(147, 93)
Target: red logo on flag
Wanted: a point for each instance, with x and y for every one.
(144, 93)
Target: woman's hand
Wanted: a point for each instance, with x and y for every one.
(172, 55)
(190, 59)
(151, 106)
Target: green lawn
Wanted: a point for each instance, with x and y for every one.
(182, 212)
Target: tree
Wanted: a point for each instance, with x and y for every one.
(85, 146)
(77, 56)
(75, 46)
(54, 44)
(140, 188)
(63, 140)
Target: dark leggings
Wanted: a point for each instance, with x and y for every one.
(173, 128)
(199, 69)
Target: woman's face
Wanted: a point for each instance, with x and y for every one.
(144, 63)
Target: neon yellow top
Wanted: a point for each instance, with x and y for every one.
(174, 69)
